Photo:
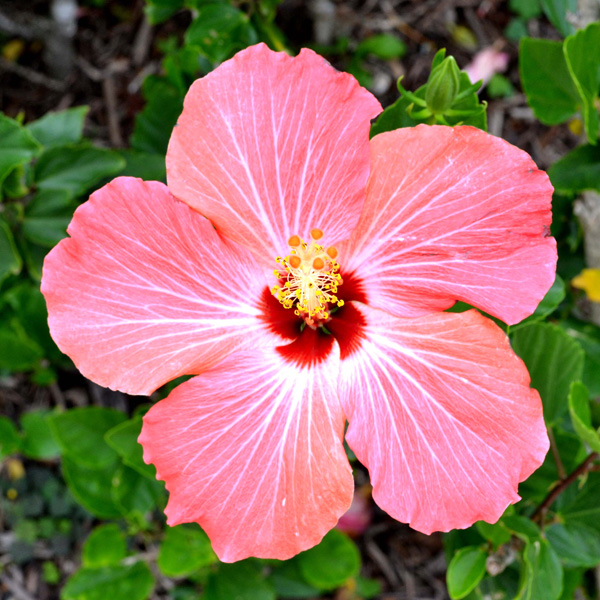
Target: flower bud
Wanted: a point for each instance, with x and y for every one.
(443, 86)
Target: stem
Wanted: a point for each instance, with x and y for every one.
(562, 474)
(542, 509)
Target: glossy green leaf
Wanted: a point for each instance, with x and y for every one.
(331, 563)
(59, 128)
(219, 30)
(106, 545)
(47, 230)
(38, 440)
(92, 487)
(10, 440)
(576, 544)
(74, 169)
(10, 259)
(116, 582)
(581, 52)
(242, 580)
(543, 573)
(522, 527)
(577, 171)
(554, 361)
(465, 571)
(579, 408)
(123, 439)
(80, 432)
(546, 80)
(556, 11)
(17, 146)
(134, 493)
(184, 550)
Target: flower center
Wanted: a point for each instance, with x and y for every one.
(308, 279)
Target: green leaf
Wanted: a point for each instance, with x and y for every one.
(80, 433)
(543, 574)
(394, 117)
(145, 165)
(106, 545)
(522, 527)
(493, 532)
(47, 230)
(242, 581)
(554, 296)
(384, 46)
(465, 571)
(554, 360)
(330, 564)
(59, 128)
(546, 80)
(526, 9)
(10, 441)
(38, 440)
(184, 550)
(588, 337)
(123, 439)
(584, 507)
(581, 53)
(117, 582)
(10, 259)
(219, 30)
(134, 493)
(92, 487)
(289, 582)
(154, 124)
(556, 11)
(579, 407)
(18, 352)
(577, 171)
(576, 544)
(158, 11)
(17, 146)
(75, 169)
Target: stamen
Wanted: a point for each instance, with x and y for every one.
(308, 279)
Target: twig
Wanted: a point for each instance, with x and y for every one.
(110, 96)
(33, 76)
(19, 592)
(562, 474)
(542, 509)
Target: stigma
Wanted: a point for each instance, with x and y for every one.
(309, 279)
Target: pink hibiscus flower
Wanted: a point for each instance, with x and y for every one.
(271, 158)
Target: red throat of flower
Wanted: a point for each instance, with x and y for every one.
(308, 279)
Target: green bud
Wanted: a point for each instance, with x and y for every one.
(442, 86)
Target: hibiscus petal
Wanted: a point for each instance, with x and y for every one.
(453, 214)
(442, 415)
(146, 290)
(252, 450)
(269, 146)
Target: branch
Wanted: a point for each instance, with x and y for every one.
(542, 509)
